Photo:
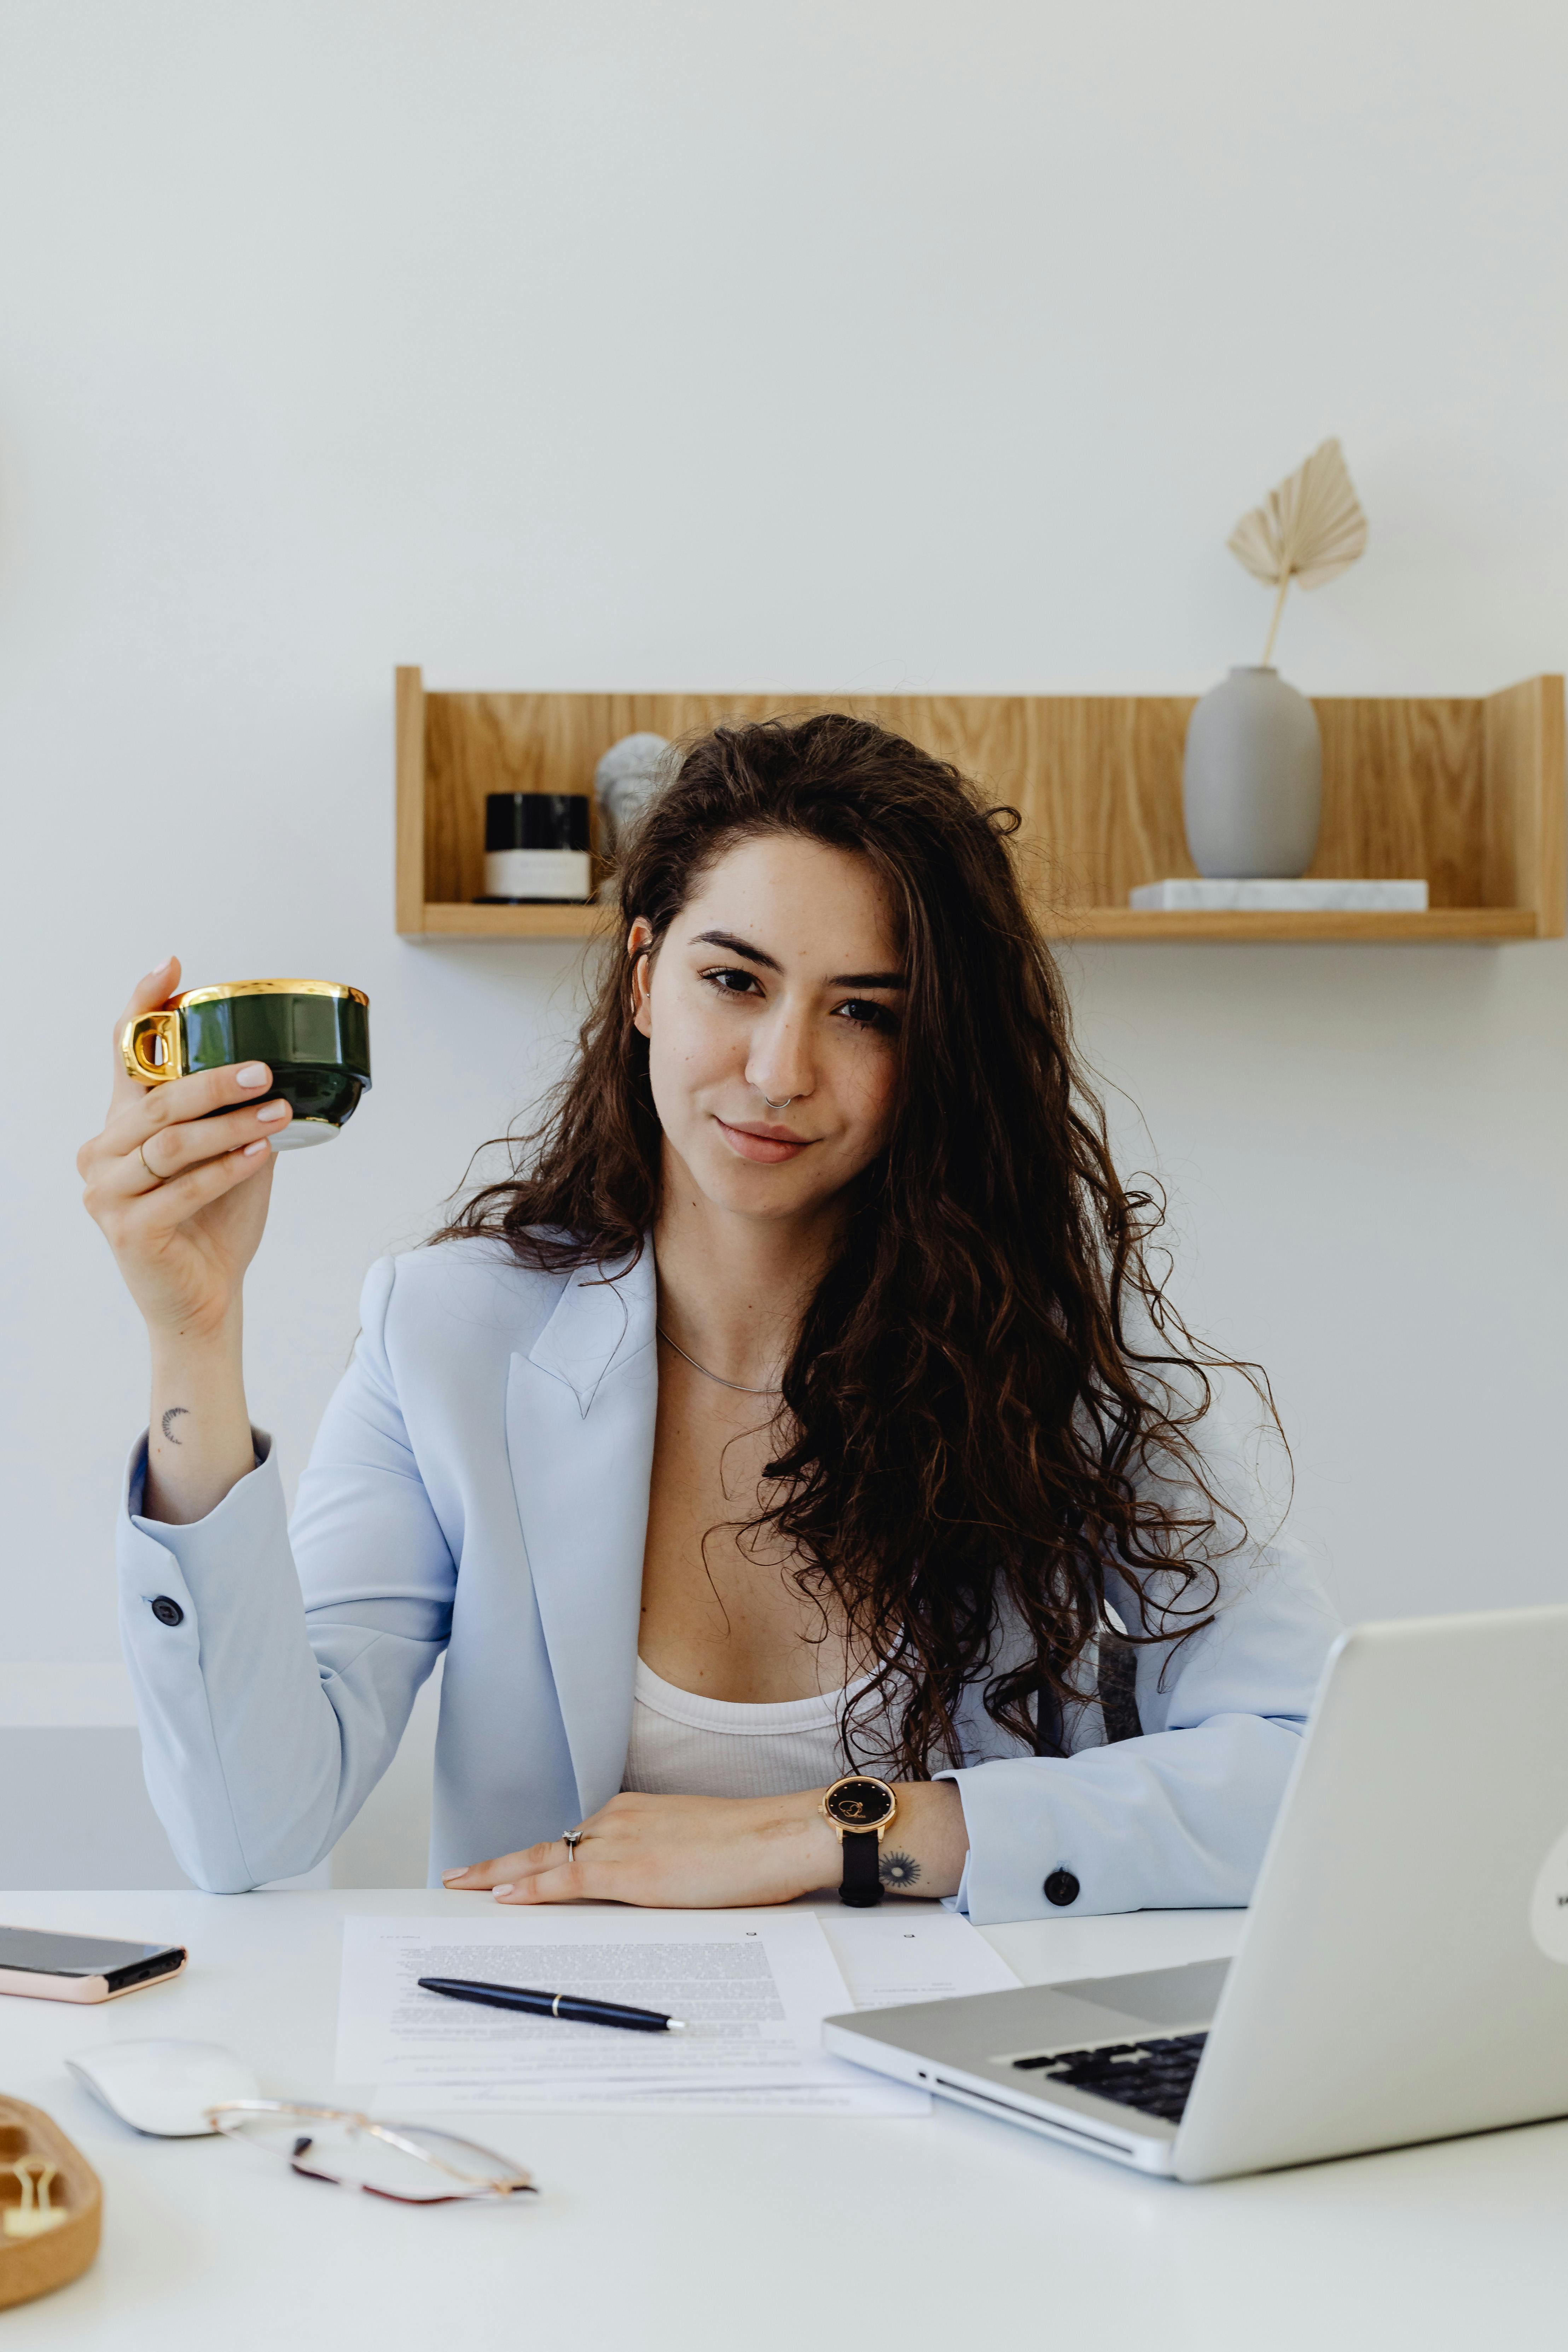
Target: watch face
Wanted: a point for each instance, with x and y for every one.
(858, 1804)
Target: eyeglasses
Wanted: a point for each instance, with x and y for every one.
(403, 2161)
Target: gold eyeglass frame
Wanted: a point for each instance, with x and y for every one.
(230, 2116)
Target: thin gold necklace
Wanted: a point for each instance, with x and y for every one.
(718, 1378)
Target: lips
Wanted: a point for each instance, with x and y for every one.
(768, 1146)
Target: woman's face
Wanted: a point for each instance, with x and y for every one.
(779, 983)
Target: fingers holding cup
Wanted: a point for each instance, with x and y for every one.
(162, 1208)
(157, 1149)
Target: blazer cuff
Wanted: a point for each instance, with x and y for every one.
(199, 1562)
(188, 1599)
(959, 1902)
(1174, 1820)
(1012, 1841)
(1029, 1827)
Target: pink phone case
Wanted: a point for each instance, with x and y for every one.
(51, 1987)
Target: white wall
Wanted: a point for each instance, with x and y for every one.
(866, 343)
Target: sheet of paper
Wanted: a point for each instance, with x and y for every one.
(895, 1955)
(752, 1987)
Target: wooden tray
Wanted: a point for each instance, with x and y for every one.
(35, 2262)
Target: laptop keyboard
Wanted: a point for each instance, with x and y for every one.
(1154, 2075)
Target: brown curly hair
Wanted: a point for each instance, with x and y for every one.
(969, 1433)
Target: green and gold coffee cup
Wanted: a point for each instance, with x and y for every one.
(313, 1036)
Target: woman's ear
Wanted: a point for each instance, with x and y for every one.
(639, 952)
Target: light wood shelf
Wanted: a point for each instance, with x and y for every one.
(1466, 793)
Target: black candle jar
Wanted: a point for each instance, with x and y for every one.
(536, 849)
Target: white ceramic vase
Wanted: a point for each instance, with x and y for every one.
(1252, 780)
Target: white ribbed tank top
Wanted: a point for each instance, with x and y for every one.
(684, 1746)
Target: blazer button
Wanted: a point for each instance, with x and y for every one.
(1061, 1887)
(169, 1613)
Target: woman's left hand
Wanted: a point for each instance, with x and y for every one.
(719, 1853)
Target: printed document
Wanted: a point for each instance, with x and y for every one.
(752, 1988)
(895, 1955)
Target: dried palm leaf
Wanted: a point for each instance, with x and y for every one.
(1311, 530)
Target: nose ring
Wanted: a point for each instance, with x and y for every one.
(774, 1106)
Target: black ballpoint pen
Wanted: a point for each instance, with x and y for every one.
(572, 2008)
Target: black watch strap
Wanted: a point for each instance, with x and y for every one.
(861, 1885)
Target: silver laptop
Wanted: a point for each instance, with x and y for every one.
(1403, 1973)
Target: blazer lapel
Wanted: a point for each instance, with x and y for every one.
(580, 1414)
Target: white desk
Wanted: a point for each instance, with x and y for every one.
(748, 2233)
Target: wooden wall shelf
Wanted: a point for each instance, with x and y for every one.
(1469, 794)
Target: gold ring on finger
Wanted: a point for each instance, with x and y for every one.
(141, 1155)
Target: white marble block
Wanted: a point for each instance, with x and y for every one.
(1179, 895)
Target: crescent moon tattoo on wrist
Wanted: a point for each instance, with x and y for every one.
(174, 1414)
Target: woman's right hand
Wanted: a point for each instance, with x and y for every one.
(181, 1197)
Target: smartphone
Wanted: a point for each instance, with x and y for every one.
(81, 1968)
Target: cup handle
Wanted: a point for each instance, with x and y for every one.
(140, 1035)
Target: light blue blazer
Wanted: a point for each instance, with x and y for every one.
(480, 1485)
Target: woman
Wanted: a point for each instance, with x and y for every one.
(803, 1403)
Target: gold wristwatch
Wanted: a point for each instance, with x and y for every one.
(861, 1809)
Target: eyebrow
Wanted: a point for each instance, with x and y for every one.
(770, 964)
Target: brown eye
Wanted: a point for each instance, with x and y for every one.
(864, 1014)
(730, 981)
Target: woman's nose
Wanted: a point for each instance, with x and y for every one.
(780, 1063)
